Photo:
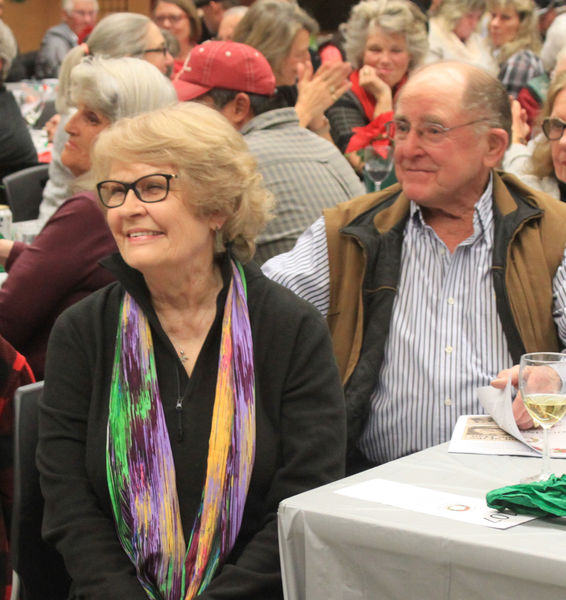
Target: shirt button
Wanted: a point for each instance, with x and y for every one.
(451, 300)
(442, 251)
(448, 349)
(448, 402)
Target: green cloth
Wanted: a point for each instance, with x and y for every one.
(541, 498)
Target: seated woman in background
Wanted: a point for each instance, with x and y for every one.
(542, 162)
(61, 265)
(180, 17)
(198, 412)
(515, 40)
(384, 40)
(281, 31)
(116, 35)
(453, 35)
(16, 147)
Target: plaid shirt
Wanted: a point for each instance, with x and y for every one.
(14, 371)
(518, 69)
(304, 172)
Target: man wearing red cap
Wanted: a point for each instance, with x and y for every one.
(304, 172)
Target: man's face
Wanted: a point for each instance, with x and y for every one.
(450, 171)
(83, 16)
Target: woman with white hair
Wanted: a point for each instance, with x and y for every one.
(16, 147)
(116, 35)
(61, 265)
(384, 40)
(193, 411)
(453, 35)
(515, 40)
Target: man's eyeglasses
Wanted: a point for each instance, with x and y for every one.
(430, 133)
(161, 49)
(553, 128)
(149, 188)
(174, 19)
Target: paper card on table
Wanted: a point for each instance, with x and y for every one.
(433, 502)
(498, 404)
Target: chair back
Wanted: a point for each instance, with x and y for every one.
(39, 566)
(24, 191)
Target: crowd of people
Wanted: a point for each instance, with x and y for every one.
(223, 312)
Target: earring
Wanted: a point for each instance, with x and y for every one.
(218, 240)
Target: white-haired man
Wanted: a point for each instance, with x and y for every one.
(79, 17)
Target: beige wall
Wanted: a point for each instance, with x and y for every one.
(30, 19)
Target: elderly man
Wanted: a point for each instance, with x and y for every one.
(304, 172)
(433, 286)
(79, 17)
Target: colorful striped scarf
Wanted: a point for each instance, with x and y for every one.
(139, 463)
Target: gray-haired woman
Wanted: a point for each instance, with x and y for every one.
(384, 40)
(61, 265)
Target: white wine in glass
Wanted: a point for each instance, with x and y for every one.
(542, 382)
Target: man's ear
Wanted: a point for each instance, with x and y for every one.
(497, 140)
(242, 107)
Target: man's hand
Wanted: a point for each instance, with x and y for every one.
(520, 413)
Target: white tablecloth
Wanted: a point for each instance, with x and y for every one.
(333, 546)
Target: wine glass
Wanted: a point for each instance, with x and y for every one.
(378, 162)
(542, 382)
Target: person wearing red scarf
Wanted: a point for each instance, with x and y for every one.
(384, 40)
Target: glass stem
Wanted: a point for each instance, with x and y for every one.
(546, 469)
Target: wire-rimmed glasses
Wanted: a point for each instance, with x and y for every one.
(429, 132)
(149, 188)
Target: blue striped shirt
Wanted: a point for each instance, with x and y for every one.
(446, 339)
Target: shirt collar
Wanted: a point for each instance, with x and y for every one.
(483, 212)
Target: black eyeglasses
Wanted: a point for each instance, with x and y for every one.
(553, 128)
(162, 49)
(149, 188)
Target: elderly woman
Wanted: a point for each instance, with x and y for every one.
(384, 40)
(515, 41)
(453, 35)
(116, 35)
(16, 147)
(180, 17)
(542, 162)
(198, 412)
(281, 31)
(61, 265)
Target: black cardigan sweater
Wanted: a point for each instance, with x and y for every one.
(300, 431)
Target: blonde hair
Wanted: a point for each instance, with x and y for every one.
(451, 11)
(528, 37)
(212, 161)
(541, 159)
(270, 26)
(392, 17)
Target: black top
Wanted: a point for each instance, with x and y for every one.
(300, 431)
(16, 147)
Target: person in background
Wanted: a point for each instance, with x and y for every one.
(541, 163)
(515, 40)
(117, 35)
(213, 11)
(14, 372)
(304, 172)
(230, 20)
(16, 146)
(281, 31)
(453, 35)
(384, 40)
(554, 19)
(61, 266)
(198, 411)
(433, 286)
(180, 17)
(79, 17)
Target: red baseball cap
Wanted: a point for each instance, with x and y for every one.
(224, 64)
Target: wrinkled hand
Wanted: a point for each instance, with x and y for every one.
(520, 129)
(372, 83)
(319, 91)
(522, 417)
